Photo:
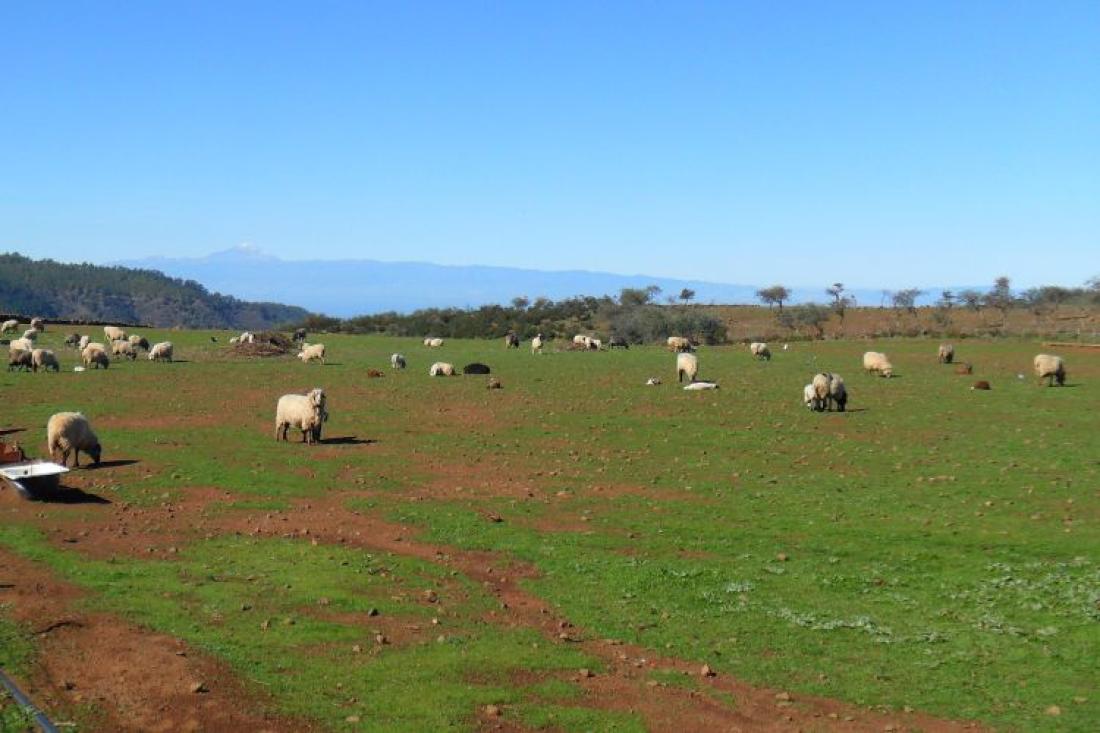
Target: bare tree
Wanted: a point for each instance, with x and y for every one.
(906, 300)
(1000, 298)
(687, 295)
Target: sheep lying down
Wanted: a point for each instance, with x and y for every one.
(699, 386)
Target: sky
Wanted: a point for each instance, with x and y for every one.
(877, 143)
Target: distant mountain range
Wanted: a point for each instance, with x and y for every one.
(100, 294)
(355, 287)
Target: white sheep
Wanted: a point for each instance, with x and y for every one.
(113, 333)
(397, 361)
(876, 362)
(38, 323)
(536, 344)
(441, 369)
(246, 337)
(20, 360)
(21, 344)
(433, 342)
(9, 326)
(139, 342)
(687, 365)
(95, 353)
(1051, 368)
(312, 352)
(31, 334)
(580, 340)
(45, 360)
(83, 343)
(697, 386)
(809, 396)
(760, 350)
(678, 343)
(161, 351)
(306, 412)
(946, 354)
(124, 349)
(70, 432)
(820, 384)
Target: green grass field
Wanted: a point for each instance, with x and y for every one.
(933, 548)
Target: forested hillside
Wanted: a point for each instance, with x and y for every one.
(118, 294)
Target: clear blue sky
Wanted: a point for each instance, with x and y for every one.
(883, 144)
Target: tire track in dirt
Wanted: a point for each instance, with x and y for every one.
(624, 685)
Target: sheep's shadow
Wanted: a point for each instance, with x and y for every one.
(110, 464)
(66, 495)
(11, 431)
(347, 440)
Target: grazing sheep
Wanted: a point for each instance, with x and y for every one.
(536, 344)
(70, 432)
(946, 354)
(31, 334)
(306, 412)
(679, 343)
(580, 340)
(981, 384)
(299, 335)
(38, 323)
(476, 368)
(312, 352)
(161, 351)
(618, 342)
(246, 337)
(820, 383)
(441, 369)
(45, 360)
(21, 344)
(838, 393)
(964, 368)
(20, 360)
(1051, 368)
(595, 344)
(809, 397)
(876, 362)
(653, 382)
(397, 361)
(139, 342)
(123, 349)
(72, 340)
(687, 365)
(494, 383)
(96, 354)
(113, 333)
(511, 341)
(375, 374)
(233, 340)
(84, 341)
(697, 386)
(760, 350)
(9, 326)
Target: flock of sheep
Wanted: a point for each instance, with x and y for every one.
(24, 355)
(69, 433)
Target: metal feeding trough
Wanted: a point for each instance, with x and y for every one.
(33, 478)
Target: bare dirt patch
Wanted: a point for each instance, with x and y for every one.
(136, 679)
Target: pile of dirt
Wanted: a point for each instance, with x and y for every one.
(267, 343)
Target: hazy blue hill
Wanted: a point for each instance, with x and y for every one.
(352, 287)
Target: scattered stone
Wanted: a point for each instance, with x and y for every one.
(781, 557)
(493, 711)
(783, 696)
(430, 596)
(198, 687)
(381, 639)
(322, 601)
(494, 517)
(351, 719)
(1054, 711)
(586, 673)
(372, 612)
(355, 648)
(706, 671)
